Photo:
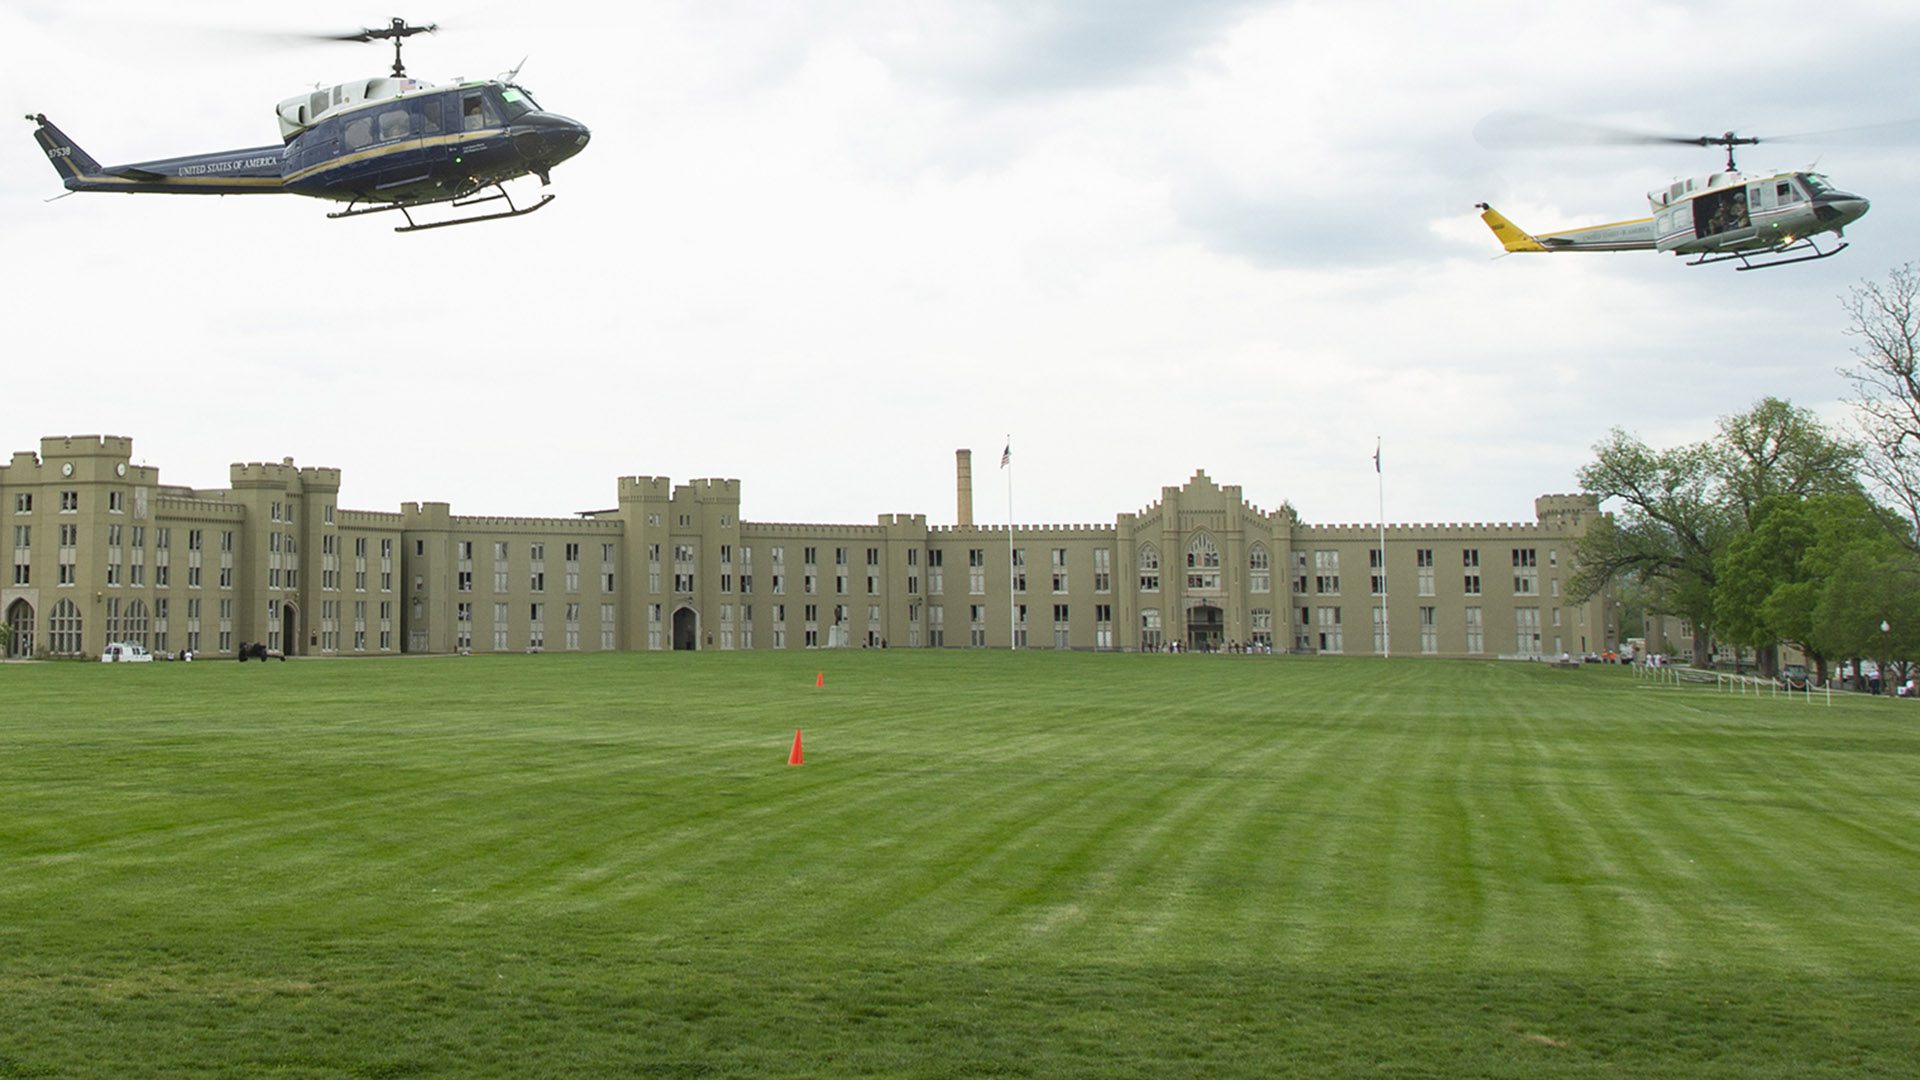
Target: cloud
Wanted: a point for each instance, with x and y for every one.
(818, 247)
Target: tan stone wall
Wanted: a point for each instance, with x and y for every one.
(906, 583)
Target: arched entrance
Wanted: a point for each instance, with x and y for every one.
(290, 630)
(686, 629)
(20, 617)
(1206, 627)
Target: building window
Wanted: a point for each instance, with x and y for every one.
(1203, 563)
(1429, 632)
(1326, 580)
(977, 572)
(1062, 638)
(1262, 637)
(1423, 565)
(1102, 570)
(1149, 560)
(1329, 623)
(1376, 564)
(1526, 626)
(1476, 633)
(1150, 630)
(1259, 570)
(63, 629)
(1526, 573)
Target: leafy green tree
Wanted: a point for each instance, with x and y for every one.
(1775, 449)
(1772, 580)
(1678, 510)
(1667, 529)
(1868, 585)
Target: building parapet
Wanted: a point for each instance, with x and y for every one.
(1463, 530)
(211, 509)
(1078, 532)
(378, 519)
(788, 527)
(574, 525)
(107, 445)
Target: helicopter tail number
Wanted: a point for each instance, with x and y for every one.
(71, 162)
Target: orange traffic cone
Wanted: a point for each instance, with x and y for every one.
(796, 758)
(820, 679)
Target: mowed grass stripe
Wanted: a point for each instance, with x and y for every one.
(993, 864)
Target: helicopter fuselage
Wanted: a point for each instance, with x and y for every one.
(1730, 211)
(421, 145)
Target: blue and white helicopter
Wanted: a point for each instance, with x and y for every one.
(378, 144)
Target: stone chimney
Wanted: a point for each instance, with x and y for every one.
(963, 487)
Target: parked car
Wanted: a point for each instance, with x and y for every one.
(1793, 677)
(125, 652)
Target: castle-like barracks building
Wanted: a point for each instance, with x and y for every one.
(98, 549)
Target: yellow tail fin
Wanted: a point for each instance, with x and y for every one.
(1512, 236)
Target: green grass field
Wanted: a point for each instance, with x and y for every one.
(990, 865)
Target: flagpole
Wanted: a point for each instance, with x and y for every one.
(1386, 627)
(1013, 609)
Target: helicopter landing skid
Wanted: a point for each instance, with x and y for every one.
(456, 200)
(1747, 262)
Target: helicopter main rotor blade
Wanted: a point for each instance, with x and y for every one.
(399, 28)
(1510, 130)
(1505, 130)
(1893, 133)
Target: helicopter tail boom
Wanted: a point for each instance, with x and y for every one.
(231, 172)
(1636, 235)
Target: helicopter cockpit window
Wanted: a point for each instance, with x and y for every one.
(477, 112)
(518, 103)
(1815, 184)
(357, 133)
(395, 123)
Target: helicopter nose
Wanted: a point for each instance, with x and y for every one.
(1839, 207)
(546, 139)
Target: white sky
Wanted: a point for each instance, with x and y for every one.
(817, 247)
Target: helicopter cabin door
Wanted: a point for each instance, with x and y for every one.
(386, 141)
(1722, 211)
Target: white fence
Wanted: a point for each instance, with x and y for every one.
(1756, 685)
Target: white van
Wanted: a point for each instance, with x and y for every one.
(125, 652)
